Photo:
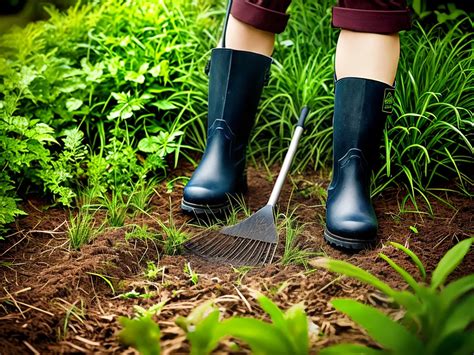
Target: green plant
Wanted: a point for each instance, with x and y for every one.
(287, 334)
(241, 271)
(172, 237)
(142, 333)
(141, 233)
(141, 195)
(427, 139)
(105, 279)
(72, 312)
(117, 204)
(293, 252)
(81, 228)
(438, 316)
(153, 271)
(193, 276)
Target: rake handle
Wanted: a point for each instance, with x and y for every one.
(290, 154)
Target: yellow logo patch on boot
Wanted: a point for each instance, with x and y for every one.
(388, 100)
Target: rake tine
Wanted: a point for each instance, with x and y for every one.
(231, 251)
(274, 247)
(249, 259)
(261, 252)
(224, 241)
(202, 247)
(240, 252)
(268, 253)
(219, 246)
(248, 250)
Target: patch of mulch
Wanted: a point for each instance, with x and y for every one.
(56, 300)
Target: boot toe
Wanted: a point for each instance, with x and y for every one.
(352, 229)
(204, 196)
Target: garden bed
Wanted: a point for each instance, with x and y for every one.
(54, 299)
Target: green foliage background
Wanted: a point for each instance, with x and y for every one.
(114, 91)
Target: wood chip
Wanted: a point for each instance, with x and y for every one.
(87, 341)
(74, 346)
(29, 346)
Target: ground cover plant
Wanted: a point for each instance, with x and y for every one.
(102, 119)
(422, 330)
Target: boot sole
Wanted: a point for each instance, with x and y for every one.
(348, 244)
(204, 210)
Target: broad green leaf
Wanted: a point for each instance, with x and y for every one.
(149, 144)
(263, 338)
(355, 272)
(459, 343)
(204, 337)
(164, 105)
(449, 262)
(413, 257)
(143, 334)
(456, 289)
(135, 77)
(273, 311)
(385, 331)
(403, 273)
(350, 349)
(296, 322)
(407, 300)
(459, 316)
(73, 104)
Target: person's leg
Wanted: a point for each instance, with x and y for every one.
(237, 74)
(244, 37)
(367, 55)
(366, 63)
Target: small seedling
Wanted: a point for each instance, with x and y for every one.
(414, 229)
(241, 272)
(193, 276)
(153, 271)
(104, 278)
(151, 311)
(142, 333)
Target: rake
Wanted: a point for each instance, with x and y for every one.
(254, 240)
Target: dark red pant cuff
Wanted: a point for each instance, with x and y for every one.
(374, 21)
(259, 17)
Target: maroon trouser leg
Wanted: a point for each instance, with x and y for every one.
(374, 16)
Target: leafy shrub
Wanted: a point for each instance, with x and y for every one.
(110, 75)
(438, 317)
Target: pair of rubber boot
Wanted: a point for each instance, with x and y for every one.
(236, 81)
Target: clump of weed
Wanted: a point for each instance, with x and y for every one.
(81, 228)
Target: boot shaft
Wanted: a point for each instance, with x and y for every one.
(360, 111)
(236, 81)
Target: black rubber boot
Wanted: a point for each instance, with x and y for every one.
(360, 111)
(236, 80)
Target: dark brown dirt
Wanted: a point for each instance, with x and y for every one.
(53, 300)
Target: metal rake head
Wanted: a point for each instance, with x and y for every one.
(250, 242)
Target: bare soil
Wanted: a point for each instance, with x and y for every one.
(52, 299)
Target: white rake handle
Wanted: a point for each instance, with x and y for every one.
(290, 154)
